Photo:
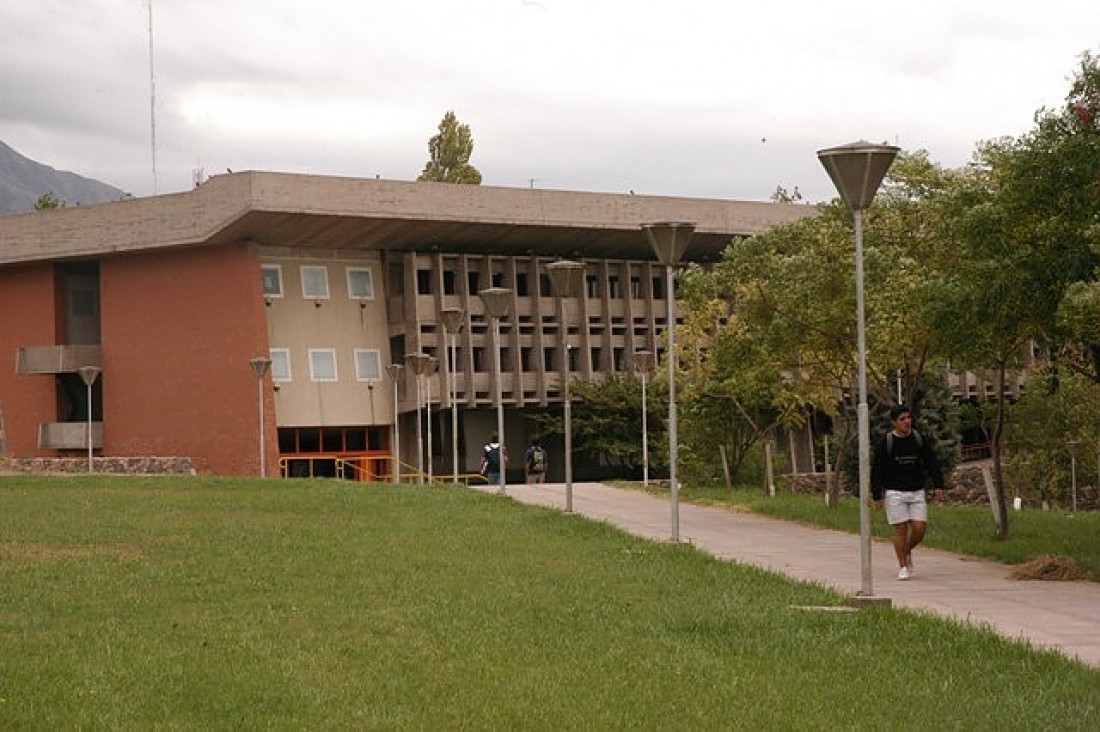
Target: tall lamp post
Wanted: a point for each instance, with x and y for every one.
(433, 366)
(496, 301)
(260, 366)
(418, 364)
(857, 170)
(643, 364)
(566, 279)
(88, 374)
(453, 319)
(669, 240)
(394, 370)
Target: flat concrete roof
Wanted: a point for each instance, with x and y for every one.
(309, 212)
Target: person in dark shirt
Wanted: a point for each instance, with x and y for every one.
(491, 460)
(902, 463)
(534, 462)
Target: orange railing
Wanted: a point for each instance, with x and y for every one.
(364, 469)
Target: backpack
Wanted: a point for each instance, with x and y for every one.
(538, 460)
(490, 461)
(890, 441)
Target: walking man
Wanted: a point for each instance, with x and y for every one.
(534, 462)
(492, 461)
(902, 463)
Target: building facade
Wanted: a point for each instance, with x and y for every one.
(333, 280)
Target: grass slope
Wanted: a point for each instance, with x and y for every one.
(194, 603)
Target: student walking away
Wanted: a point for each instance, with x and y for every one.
(534, 462)
(490, 460)
(902, 463)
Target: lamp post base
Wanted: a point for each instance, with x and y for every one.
(864, 601)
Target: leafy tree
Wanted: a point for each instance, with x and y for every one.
(1054, 420)
(910, 241)
(1024, 218)
(772, 329)
(449, 154)
(606, 420)
(986, 308)
(48, 202)
(782, 195)
(1058, 166)
(734, 391)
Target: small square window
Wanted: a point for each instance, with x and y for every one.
(360, 283)
(280, 364)
(273, 280)
(368, 365)
(315, 283)
(322, 364)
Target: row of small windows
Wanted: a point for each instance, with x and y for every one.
(323, 364)
(594, 286)
(315, 286)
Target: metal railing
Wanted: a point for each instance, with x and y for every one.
(345, 468)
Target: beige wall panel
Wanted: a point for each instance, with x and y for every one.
(340, 323)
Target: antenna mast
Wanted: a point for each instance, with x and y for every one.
(152, 102)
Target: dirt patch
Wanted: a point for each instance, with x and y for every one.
(1051, 567)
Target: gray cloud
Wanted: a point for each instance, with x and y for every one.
(693, 99)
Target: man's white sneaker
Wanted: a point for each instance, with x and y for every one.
(903, 573)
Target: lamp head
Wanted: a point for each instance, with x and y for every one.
(857, 170)
(566, 277)
(453, 319)
(669, 240)
(496, 301)
(418, 363)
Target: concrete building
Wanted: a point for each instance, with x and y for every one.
(333, 279)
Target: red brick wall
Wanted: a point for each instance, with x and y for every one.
(179, 328)
(27, 314)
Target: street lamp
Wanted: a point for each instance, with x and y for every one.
(566, 279)
(89, 374)
(394, 370)
(418, 364)
(1072, 445)
(496, 301)
(433, 366)
(857, 170)
(453, 319)
(669, 239)
(260, 366)
(643, 364)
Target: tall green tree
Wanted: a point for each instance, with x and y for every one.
(1066, 151)
(449, 154)
(1024, 219)
(772, 328)
(987, 307)
(1049, 427)
(606, 421)
(734, 388)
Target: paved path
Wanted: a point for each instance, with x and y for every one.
(1058, 615)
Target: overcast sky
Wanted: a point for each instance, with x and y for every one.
(712, 98)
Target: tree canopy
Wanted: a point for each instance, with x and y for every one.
(449, 154)
(979, 268)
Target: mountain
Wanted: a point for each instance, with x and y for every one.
(23, 180)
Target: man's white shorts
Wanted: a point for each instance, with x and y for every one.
(902, 506)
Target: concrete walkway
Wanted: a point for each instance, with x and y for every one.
(1058, 615)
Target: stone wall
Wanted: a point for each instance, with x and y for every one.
(965, 486)
(105, 465)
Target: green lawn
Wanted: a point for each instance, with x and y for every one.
(962, 529)
(195, 603)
